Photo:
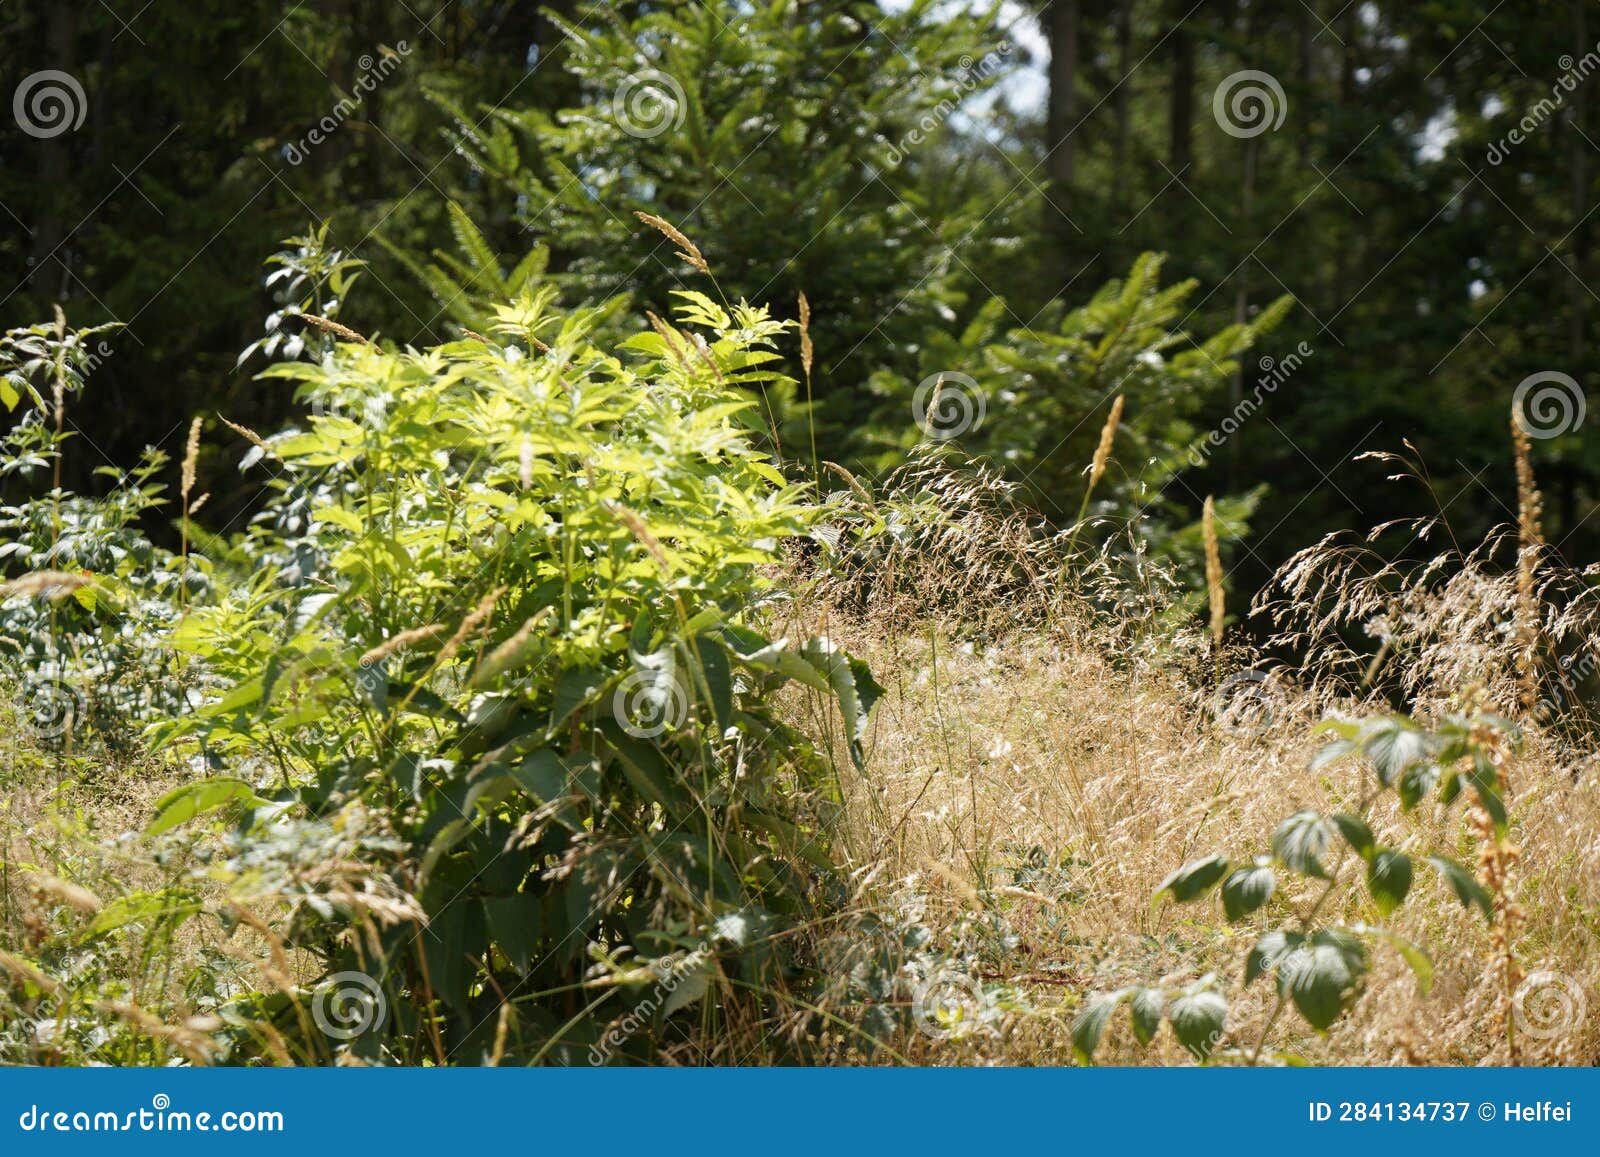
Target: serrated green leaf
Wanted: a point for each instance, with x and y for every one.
(1300, 842)
(185, 803)
(1324, 976)
(1394, 745)
(1465, 886)
(1416, 782)
(1197, 1019)
(1247, 889)
(1332, 753)
(1389, 879)
(1194, 880)
(1148, 1005)
(1356, 833)
(1090, 1023)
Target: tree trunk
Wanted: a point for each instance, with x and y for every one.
(1061, 24)
(49, 270)
(1307, 51)
(1181, 110)
(1578, 155)
(1343, 264)
(1124, 89)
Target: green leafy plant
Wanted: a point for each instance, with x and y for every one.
(1315, 861)
(808, 145)
(1034, 399)
(507, 613)
(307, 276)
(87, 597)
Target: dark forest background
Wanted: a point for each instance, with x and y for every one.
(946, 182)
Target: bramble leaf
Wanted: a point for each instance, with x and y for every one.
(1194, 880)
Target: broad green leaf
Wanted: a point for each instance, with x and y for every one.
(1197, 1019)
(1416, 782)
(185, 803)
(542, 775)
(1148, 1005)
(148, 908)
(1090, 1023)
(690, 979)
(1194, 880)
(454, 932)
(1389, 879)
(1269, 952)
(718, 676)
(340, 517)
(516, 923)
(1247, 889)
(447, 838)
(574, 689)
(1394, 745)
(1333, 752)
(1465, 886)
(1485, 781)
(1356, 833)
(1300, 843)
(852, 684)
(1324, 976)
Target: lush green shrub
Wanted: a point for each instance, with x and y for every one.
(1035, 399)
(507, 619)
(90, 599)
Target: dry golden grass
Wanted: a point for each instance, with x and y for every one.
(1041, 762)
(68, 850)
(1120, 777)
